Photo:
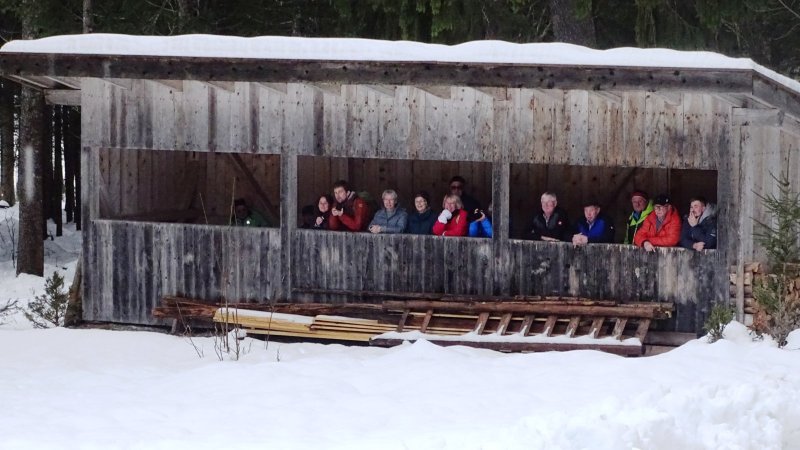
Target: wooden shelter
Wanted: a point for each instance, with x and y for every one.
(164, 138)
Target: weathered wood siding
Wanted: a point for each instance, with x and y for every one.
(134, 264)
(632, 129)
(403, 263)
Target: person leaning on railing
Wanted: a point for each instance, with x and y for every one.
(390, 219)
(660, 229)
(642, 207)
(452, 221)
(351, 212)
(422, 219)
(550, 223)
(699, 228)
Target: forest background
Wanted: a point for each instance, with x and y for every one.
(768, 31)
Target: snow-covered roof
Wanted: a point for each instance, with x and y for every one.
(299, 49)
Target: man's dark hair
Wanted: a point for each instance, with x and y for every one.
(700, 199)
(458, 178)
(341, 184)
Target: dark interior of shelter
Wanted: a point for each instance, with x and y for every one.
(187, 187)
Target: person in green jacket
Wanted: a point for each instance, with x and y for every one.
(642, 207)
(243, 216)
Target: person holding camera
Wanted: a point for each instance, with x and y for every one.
(452, 221)
(481, 223)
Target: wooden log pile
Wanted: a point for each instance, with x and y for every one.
(751, 272)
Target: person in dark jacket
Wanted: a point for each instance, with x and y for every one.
(324, 205)
(594, 227)
(244, 216)
(699, 228)
(551, 222)
(457, 187)
(422, 219)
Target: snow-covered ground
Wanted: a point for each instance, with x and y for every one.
(99, 389)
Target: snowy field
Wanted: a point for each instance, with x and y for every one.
(98, 389)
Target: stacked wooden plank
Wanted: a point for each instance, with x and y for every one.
(749, 274)
(564, 324)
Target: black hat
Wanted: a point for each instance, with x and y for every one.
(662, 200)
(591, 201)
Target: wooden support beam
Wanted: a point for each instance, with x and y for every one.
(649, 311)
(481, 323)
(426, 321)
(497, 93)
(574, 321)
(120, 83)
(329, 88)
(442, 92)
(757, 117)
(383, 89)
(69, 97)
(273, 215)
(550, 325)
(402, 323)
(619, 327)
(641, 330)
(503, 326)
(70, 82)
(278, 88)
(228, 86)
(175, 85)
(526, 325)
(31, 81)
(597, 325)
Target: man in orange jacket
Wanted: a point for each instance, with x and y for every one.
(351, 212)
(662, 229)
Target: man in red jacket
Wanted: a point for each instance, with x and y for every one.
(662, 229)
(350, 213)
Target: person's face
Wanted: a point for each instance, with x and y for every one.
(420, 204)
(639, 203)
(591, 212)
(241, 211)
(457, 188)
(340, 194)
(697, 208)
(549, 205)
(323, 205)
(661, 211)
(450, 205)
(389, 202)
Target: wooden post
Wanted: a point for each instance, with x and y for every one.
(288, 219)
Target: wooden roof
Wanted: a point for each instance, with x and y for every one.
(60, 73)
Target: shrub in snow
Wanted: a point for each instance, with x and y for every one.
(720, 316)
(777, 295)
(49, 309)
(10, 307)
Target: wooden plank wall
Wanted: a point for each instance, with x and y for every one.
(134, 264)
(629, 129)
(402, 263)
(146, 182)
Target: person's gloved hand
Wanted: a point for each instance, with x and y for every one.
(445, 216)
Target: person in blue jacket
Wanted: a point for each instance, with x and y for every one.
(594, 227)
(482, 225)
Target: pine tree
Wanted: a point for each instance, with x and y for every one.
(49, 309)
(775, 294)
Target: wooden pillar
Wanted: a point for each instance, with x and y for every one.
(288, 220)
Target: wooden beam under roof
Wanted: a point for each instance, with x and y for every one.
(68, 97)
(379, 72)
